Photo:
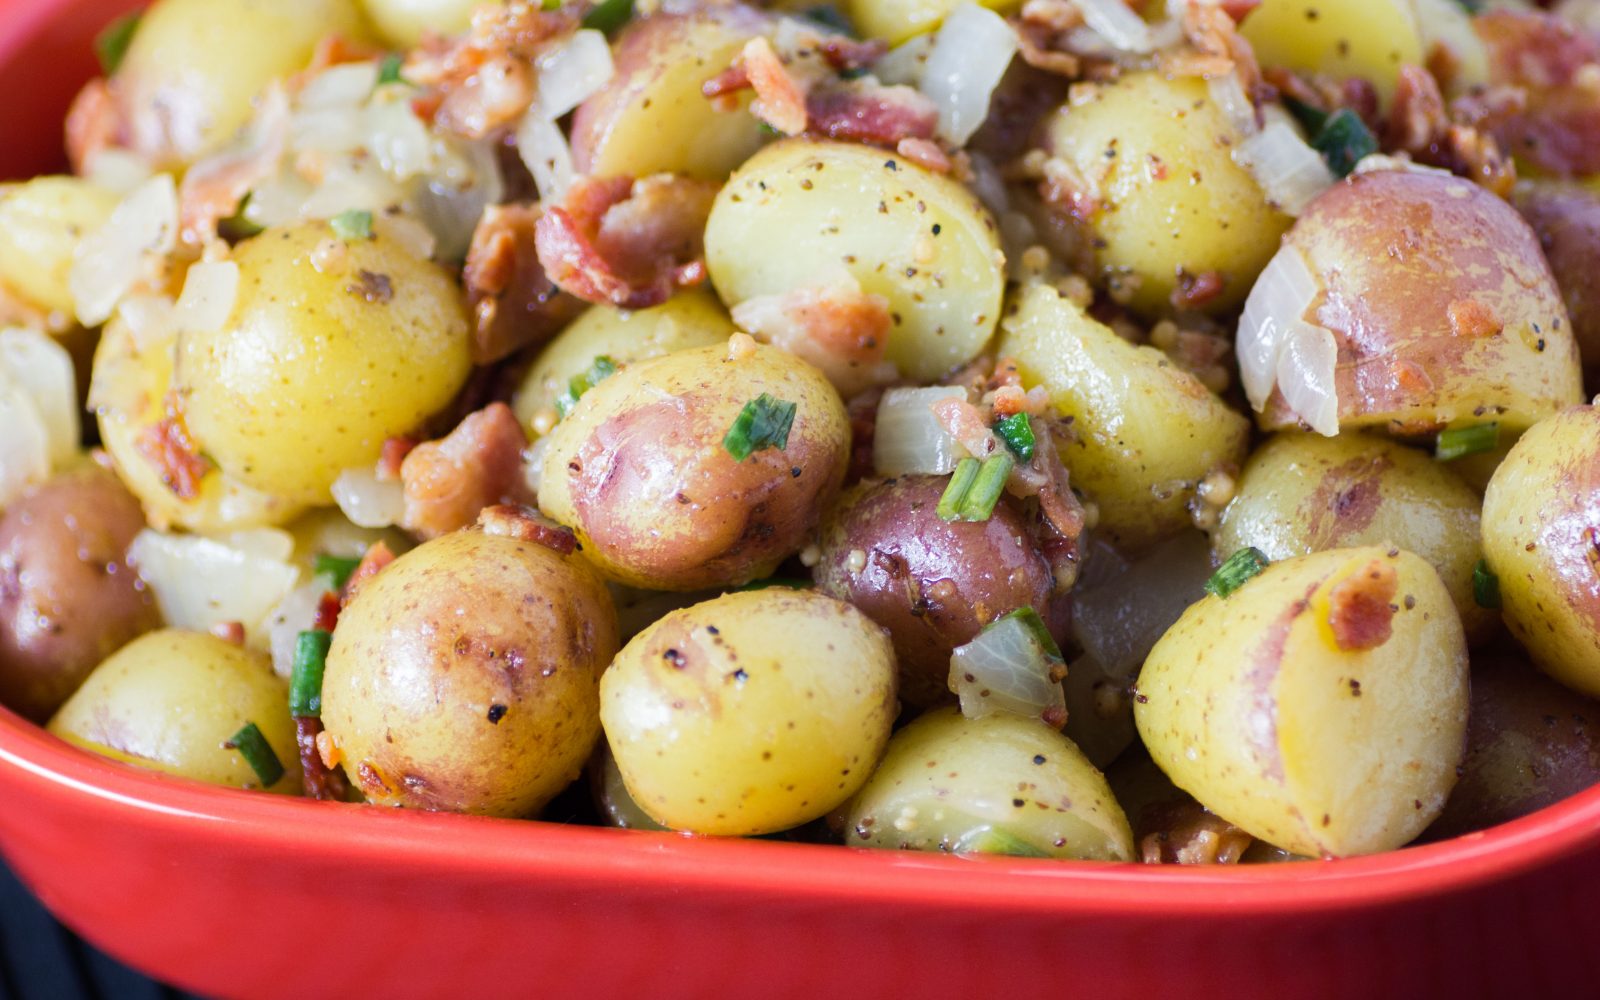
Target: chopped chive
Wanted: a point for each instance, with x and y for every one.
(1485, 586)
(1239, 568)
(1310, 118)
(600, 369)
(608, 15)
(790, 582)
(986, 488)
(238, 226)
(337, 567)
(1017, 433)
(389, 69)
(955, 494)
(996, 840)
(257, 752)
(1030, 618)
(1343, 141)
(764, 423)
(1458, 442)
(355, 224)
(305, 683)
(111, 45)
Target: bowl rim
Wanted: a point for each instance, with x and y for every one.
(530, 851)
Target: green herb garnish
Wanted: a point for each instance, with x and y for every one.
(996, 840)
(1239, 568)
(1017, 433)
(355, 224)
(608, 15)
(1485, 586)
(1343, 141)
(111, 45)
(389, 70)
(1459, 442)
(1310, 118)
(338, 568)
(305, 683)
(763, 423)
(600, 369)
(257, 752)
(239, 226)
(975, 488)
(1030, 619)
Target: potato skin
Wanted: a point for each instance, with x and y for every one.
(1304, 493)
(1440, 302)
(932, 584)
(68, 598)
(1250, 704)
(1369, 39)
(1170, 200)
(946, 776)
(260, 391)
(1566, 219)
(895, 21)
(41, 222)
(402, 23)
(750, 713)
(639, 471)
(800, 211)
(465, 676)
(1541, 536)
(1146, 431)
(169, 700)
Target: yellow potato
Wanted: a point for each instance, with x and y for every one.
(691, 318)
(997, 785)
(894, 21)
(315, 368)
(41, 222)
(750, 713)
(169, 700)
(1155, 156)
(1304, 493)
(1146, 431)
(1541, 536)
(1369, 39)
(1321, 707)
(402, 23)
(802, 212)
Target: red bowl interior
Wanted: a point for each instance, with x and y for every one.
(239, 894)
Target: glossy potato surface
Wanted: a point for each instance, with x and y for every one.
(41, 222)
(1369, 39)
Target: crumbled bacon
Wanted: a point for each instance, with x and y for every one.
(394, 453)
(924, 153)
(327, 616)
(867, 112)
(1360, 609)
(320, 779)
(214, 188)
(1213, 32)
(167, 446)
(1470, 318)
(780, 98)
(94, 123)
(844, 53)
(514, 303)
(1186, 833)
(1194, 291)
(479, 464)
(838, 328)
(485, 80)
(863, 411)
(377, 556)
(625, 242)
(526, 523)
(1420, 124)
(1556, 67)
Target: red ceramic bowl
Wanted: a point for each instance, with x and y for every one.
(242, 895)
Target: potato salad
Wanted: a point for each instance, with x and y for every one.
(1142, 431)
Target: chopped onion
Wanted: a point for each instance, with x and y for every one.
(42, 370)
(1289, 171)
(571, 72)
(545, 152)
(905, 63)
(209, 292)
(347, 85)
(399, 140)
(368, 501)
(1119, 26)
(1008, 669)
(909, 440)
(970, 55)
(199, 582)
(116, 170)
(24, 445)
(110, 261)
(1227, 93)
(1276, 306)
(353, 184)
(452, 207)
(415, 237)
(296, 613)
(1306, 368)
(1117, 621)
(152, 320)
(268, 543)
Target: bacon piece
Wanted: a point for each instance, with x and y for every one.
(377, 556)
(169, 448)
(625, 242)
(838, 328)
(327, 616)
(860, 111)
(1360, 611)
(526, 523)
(726, 83)
(479, 464)
(925, 153)
(485, 80)
(321, 780)
(94, 123)
(394, 453)
(1186, 833)
(213, 189)
(1557, 68)
(514, 303)
(1214, 32)
(1420, 124)
(780, 98)
(1471, 318)
(849, 54)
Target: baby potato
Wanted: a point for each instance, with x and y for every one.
(170, 700)
(1364, 39)
(651, 117)
(750, 713)
(1441, 305)
(41, 222)
(1541, 536)
(270, 394)
(932, 584)
(1304, 493)
(1146, 432)
(1169, 203)
(465, 676)
(692, 318)
(1001, 784)
(895, 21)
(1321, 707)
(68, 598)
(640, 470)
(402, 23)
(801, 212)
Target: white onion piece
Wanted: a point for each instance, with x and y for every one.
(367, 501)
(116, 170)
(199, 582)
(1277, 304)
(268, 543)
(1227, 93)
(347, 85)
(904, 64)
(970, 54)
(1118, 25)
(209, 292)
(42, 370)
(352, 184)
(545, 152)
(399, 140)
(571, 72)
(1118, 620)
(909, 440)
(1289, 171)
(415, 237)
(296, 613)
(24, 442)
(1306, 368)
(110, 261)
(152, 320)
(451, 207)
(1007, 669)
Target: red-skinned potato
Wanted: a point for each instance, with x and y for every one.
(1566, 218)
(934, 584)
(68, 598)
(1441, 305)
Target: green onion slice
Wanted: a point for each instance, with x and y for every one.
(1459, 442)
(1239, 568)
(1485, 586)
(389, 69)
(996, 840)
(764, 423)
(111, 45)
(1030, 619)
(356, 224)
(600, 369)
(975, 488)
(955, 492)
(305, 683)
(1017, 433)
(337, 568)
(1343, 141)
(257, 752)
(609, 15)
